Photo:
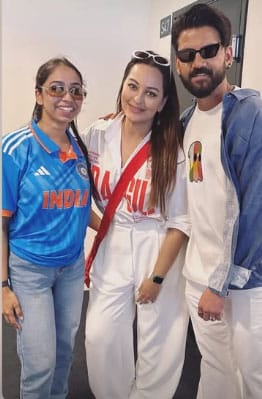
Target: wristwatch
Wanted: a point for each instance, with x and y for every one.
(5, 283)
(157, 279)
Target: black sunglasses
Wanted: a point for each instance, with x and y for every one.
(188, 55)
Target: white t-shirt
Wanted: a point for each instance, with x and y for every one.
(206, 184)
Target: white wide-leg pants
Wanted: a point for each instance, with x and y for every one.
(231, 349)
(126, 257)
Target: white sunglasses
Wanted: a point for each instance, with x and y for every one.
(144, 55)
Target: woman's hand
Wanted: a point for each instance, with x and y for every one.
(148, 292)
(106, 117)
(11, 308)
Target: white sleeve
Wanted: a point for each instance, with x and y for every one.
(86, 135)
(95, 129)
(177, 206)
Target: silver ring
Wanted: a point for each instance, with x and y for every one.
(212, 318)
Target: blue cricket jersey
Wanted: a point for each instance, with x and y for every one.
(46, 193)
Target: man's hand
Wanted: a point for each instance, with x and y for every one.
(210, 306)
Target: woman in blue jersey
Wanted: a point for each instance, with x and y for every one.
(46, 210)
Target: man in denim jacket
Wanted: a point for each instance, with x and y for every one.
(223, 146)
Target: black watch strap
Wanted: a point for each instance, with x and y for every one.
(5, 283)
(157, 279)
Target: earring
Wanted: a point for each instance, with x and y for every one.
(157, 118)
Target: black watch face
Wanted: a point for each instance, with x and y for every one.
(157, 279)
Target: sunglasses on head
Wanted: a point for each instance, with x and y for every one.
(144, 55)
(60, 90)
(188, 55)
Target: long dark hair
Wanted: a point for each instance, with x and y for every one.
(42, 75)
(166, 136)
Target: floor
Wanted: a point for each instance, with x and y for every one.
(78, 382)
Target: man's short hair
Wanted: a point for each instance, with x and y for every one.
(201, 15)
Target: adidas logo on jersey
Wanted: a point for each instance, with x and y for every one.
(42, 171)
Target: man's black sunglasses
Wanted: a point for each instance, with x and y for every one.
(188, 55)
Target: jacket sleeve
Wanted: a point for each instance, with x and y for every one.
(243, 166)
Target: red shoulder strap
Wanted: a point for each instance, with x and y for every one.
(114, 201)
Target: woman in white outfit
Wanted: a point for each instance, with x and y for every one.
(138, 264)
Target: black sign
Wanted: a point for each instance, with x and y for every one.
(165, 26)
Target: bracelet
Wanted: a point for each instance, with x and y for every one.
(5, 283)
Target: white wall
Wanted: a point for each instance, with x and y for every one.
(252, 76)
(97, 35)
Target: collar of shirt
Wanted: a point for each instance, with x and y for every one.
(50, 146)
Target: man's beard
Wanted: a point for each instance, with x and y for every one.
(207, 88)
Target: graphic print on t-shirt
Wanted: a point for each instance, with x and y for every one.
(195, 165)
(135, 194)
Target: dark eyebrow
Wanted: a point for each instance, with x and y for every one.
(148, 87)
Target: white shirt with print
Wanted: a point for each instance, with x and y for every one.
(206, 184)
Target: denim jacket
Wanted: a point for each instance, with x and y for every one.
(241, 157)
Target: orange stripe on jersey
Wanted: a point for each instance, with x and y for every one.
(38, 140)
(6, 213)
(65, 156)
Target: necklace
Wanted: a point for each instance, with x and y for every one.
(66, 147)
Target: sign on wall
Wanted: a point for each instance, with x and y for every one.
(165, 26)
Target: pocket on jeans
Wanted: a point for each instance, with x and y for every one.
(27, 274)
(15, 260)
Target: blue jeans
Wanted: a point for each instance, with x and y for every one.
(51, 300)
